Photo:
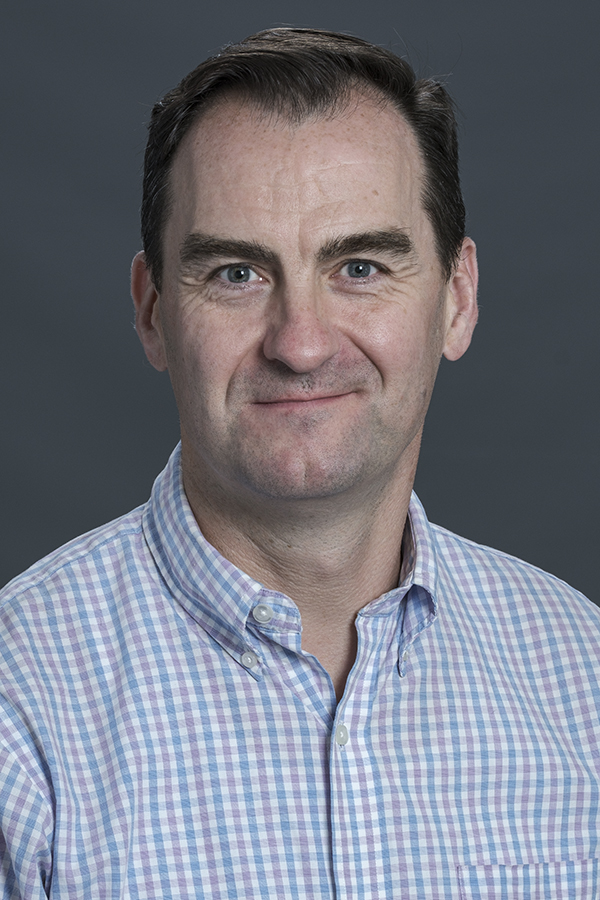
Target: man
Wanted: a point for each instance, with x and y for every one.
(277, 679)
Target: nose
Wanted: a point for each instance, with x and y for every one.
(299, 333)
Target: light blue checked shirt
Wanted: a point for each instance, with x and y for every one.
(164, 736)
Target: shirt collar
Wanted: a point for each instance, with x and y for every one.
(219, 596)
(212, 590)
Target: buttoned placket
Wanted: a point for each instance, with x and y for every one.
(351, 777)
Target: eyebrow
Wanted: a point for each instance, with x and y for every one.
(393, 241)
(198, 247)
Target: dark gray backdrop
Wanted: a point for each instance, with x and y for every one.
(511, 440)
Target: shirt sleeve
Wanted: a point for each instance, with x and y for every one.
(26, 813)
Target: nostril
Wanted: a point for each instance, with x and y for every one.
(303, 343)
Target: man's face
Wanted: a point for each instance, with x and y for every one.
(303, 310)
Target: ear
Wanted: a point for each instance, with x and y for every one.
(146, 301)
(461, 303)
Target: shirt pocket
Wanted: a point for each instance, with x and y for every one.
(568, 880)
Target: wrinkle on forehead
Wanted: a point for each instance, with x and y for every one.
(241, 169)
(217, 119)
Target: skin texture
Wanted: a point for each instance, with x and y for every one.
(302, 389)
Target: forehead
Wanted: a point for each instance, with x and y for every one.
(242, 169)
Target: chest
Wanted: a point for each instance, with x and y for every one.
(200, 780)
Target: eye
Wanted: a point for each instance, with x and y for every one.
(358, 268)
(238, 274)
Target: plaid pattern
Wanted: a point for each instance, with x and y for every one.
(158, 741)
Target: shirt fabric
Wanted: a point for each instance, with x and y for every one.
(164, 736)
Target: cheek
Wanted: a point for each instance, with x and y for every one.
(393, 342)
(205, 353)
(406, 349)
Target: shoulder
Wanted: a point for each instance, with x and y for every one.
(82, 564)
(63, 620)
(487, 578)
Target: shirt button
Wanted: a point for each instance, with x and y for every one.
(263, 613)
(249, 659)
(341, 735)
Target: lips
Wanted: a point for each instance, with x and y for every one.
(302, 399)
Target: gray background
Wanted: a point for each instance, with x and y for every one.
(511, 441)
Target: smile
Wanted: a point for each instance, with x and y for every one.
(299, 402)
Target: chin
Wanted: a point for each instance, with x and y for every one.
(296, 478)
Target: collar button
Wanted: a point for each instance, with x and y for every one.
(249, 659)
(262, 613)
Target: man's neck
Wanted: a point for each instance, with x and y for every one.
(331, 556)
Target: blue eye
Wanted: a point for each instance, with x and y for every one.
(238, 274)
(358, 268)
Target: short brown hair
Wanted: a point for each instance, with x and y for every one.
(297, 73)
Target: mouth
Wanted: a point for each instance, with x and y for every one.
(303, 401)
